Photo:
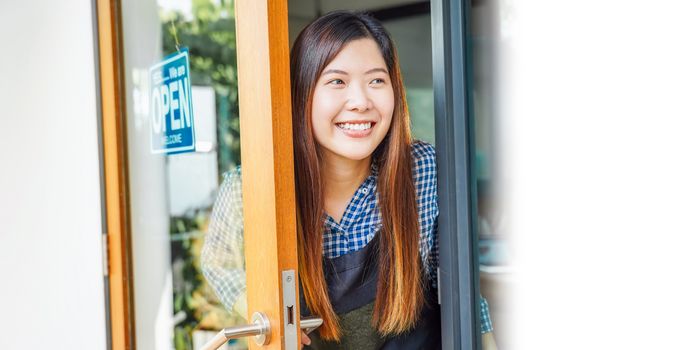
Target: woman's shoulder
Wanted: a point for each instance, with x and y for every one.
(234, 173)
(233, 176)
(423, 154)
(231, 184)
(423, 166)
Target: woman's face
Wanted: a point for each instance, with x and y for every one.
(353, 102)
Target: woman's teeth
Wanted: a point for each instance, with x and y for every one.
(349, 126)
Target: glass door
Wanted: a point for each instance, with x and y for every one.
(209, 235)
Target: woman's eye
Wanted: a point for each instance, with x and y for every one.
(335, 82)
(378, 81)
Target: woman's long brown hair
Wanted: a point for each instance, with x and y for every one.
(399, 298)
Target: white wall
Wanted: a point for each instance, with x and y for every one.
(51, 279)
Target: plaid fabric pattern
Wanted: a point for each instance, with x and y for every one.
(222, 257)
(362, 218)
(486, 322)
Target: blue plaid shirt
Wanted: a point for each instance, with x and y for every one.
(222, 259)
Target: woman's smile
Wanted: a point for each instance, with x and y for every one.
(356, 129)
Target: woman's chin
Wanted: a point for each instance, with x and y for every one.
(343, 152)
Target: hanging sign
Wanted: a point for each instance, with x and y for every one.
(171, 115)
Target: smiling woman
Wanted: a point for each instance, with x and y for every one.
(368, 246)
(335, 166)
(367, 204)
(352, 110)
(353, 102)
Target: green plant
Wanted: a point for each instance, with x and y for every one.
(211, 40)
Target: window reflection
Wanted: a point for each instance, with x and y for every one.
(488, 39)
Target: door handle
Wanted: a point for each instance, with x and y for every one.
(259, 328)
(310, 323)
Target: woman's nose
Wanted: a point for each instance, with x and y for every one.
(358, 100)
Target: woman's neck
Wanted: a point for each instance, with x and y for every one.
(342, 176)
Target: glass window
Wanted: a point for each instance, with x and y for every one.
(487, 41)
(412, 36)
(177, 303)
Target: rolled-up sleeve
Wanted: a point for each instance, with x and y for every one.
(486, 322)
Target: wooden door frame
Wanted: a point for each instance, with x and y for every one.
(267, 163)
(121, 321)
(267, 157)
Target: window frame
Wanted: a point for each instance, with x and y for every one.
(459, 292)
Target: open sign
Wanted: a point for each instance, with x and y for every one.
(171, 115)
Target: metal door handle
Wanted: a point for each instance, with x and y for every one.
(310, 323)
(260, 328)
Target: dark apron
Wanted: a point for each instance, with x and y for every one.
(352, 284)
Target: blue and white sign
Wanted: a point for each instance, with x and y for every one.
(171, 114)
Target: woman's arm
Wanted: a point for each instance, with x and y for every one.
(488, 341)
(222, 256)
